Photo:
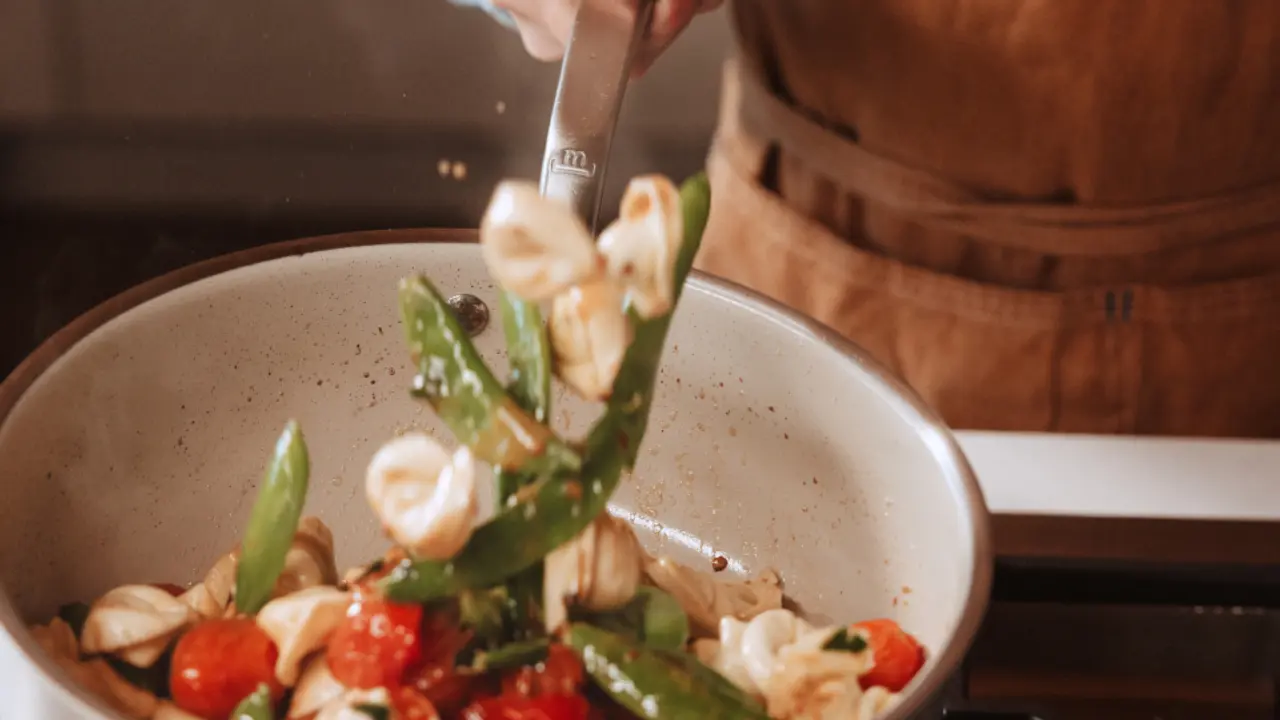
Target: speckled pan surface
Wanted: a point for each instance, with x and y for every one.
(134, 455)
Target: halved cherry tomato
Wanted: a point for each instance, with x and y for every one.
(217, 663)
(898, 656)
(447, 689)
(560, 674)
(174, 590)
(412, 705)
(376, 643)
(514, 707)
(436, 676)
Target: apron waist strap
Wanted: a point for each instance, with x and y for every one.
(933, 201)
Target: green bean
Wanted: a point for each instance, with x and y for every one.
(463, 391)
(657, 683)
(273, 521)
(256, 706)
(553, 511)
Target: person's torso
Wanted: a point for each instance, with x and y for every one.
(1043, 214)
(1111, 101)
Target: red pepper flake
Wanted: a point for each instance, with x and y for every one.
(573, 490)
(624, 441)
(770, 408)
(719, 563)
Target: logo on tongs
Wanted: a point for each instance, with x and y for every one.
(573, 162)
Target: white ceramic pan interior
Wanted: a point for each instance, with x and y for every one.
(133, 455)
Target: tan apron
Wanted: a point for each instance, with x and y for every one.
(1013, 204)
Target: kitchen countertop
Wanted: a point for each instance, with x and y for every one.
(1094, 476)
(1161, 501)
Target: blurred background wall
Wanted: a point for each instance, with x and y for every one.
(139, 135)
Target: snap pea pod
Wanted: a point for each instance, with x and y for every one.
(652, 618)
(517, 654)
(273, 521)
(529, 354)
(656, 683)
(551, 512)
(466, 395)
(256, 706)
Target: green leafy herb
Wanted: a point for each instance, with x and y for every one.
(257, 706)
(845, 641)
(74, 615)
(373, 711)
(481, 611)
(273, 522)
(154, 679)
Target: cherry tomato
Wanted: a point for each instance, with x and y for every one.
(514, 707)
(217, 663)
(376, 643)
(447, 689)
(412, 705)
(898, 656)
(560, 674)
(174, 590)
(437, 677)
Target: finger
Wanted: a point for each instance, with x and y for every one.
(544, 25)
(538, 40)
(670, 17)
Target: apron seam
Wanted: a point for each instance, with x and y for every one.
(1233, 300)
(957, 295)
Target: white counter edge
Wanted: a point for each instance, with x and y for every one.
(1083, 475)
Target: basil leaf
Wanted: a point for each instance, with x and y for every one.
(845, 641)
(373, 711)
(74, 615)
(257, 706)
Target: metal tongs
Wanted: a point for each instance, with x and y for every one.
(593, 81)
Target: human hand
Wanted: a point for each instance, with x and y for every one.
(545, 25)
